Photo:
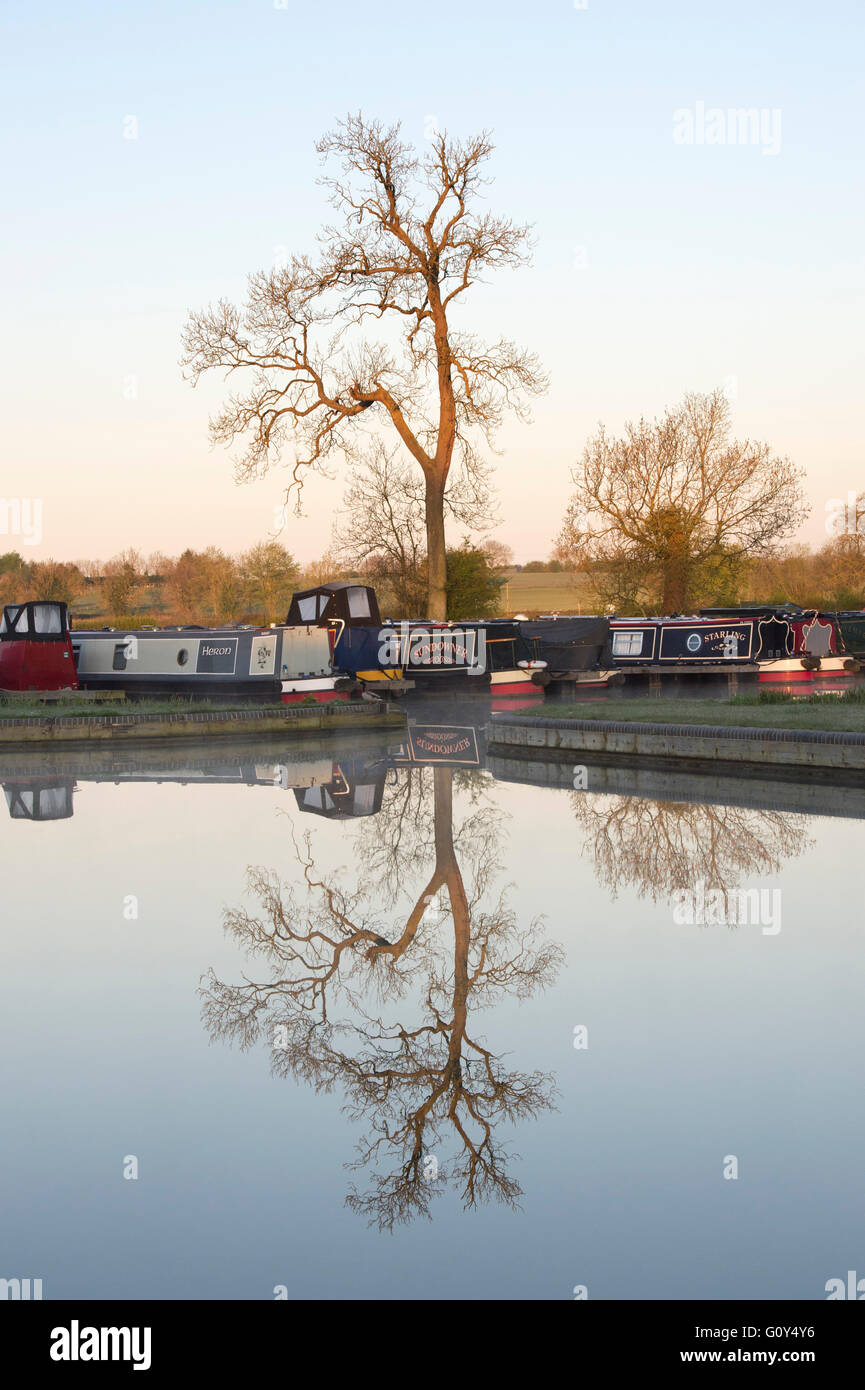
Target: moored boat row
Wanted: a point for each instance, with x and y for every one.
(334, 644)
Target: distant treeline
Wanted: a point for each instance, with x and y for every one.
(256, 586)
(197, 586)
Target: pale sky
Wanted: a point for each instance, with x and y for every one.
(661, 266)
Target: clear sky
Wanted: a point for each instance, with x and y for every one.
(661, 266)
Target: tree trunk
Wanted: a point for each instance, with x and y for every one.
(437, 599)
(677, 577)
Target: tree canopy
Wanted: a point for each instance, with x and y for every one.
(359, 336)
(657, 508)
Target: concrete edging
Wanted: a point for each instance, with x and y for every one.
(787, 747)
(126, 728)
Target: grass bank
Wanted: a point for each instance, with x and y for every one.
(770, 709)
(26, 707)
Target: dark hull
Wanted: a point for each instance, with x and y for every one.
(245, 690)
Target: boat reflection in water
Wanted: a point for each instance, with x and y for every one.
(40, 800)
(352, 991)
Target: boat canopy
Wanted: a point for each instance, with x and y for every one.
(351, 603)
(569, 644)
(38, 621)
(38, 801)
(356, 788)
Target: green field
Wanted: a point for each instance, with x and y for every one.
(545, 593)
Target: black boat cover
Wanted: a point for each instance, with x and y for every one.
(569, 644)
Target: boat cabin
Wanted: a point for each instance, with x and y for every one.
(350, 612)
(36, 648)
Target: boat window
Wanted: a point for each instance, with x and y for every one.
(307, 607)
(46, 618)
(15, 619)
(318, 799)
(182, 656)
(358, 603)
(364, 799)
(119, 662)
(627, 643)
(52, 802)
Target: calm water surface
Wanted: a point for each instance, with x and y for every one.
(370, 1027)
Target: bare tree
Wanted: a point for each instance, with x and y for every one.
(381, 527)
(499, 555)
(411, 239)
(660, 847)
(333, 956)
(677, 494)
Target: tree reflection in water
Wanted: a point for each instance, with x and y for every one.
(344, 965)
(659, 848)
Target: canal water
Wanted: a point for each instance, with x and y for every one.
(397, 1018)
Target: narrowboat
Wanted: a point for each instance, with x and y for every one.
(38, 651)
(509, 657)
(362, 647)
(390, 657)
(795, 644)
(292, 663)
(775, 644)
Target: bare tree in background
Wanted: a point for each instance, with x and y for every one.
(677, 494)
(381, 529)
(499, 555)
(411, 239)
